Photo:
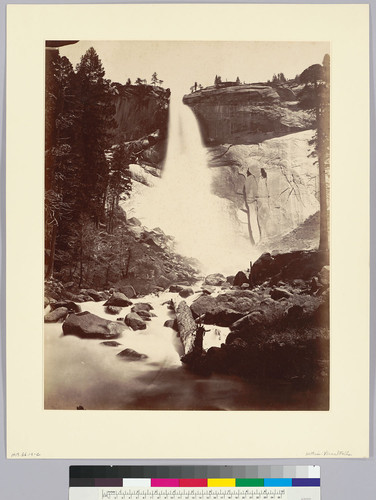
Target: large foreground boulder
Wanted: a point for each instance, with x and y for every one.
(88, 325)
(118, 299)
(302, 264)
(224, 309)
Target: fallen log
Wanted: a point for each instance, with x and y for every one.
(186, 326)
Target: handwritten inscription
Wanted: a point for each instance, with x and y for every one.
(25, 454)
(326, 453)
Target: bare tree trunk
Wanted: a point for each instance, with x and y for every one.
(322, 147)
(51, 260)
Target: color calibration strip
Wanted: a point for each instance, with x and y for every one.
(187, 477)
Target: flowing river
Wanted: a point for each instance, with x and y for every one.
(84, 372)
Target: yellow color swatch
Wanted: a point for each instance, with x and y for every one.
(221, 482)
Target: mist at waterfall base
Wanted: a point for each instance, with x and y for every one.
(204, 226)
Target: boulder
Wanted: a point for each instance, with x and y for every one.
(171, 323)
(324, 275)
(230, 279)
(224, 309)
(176, 288)
(111, 343)
(58, 314)
(186, 292)
(113, 309)
(146, 315)
(118, 299)
(302, 264)
(225, 286)
(137, 231)
(69, 304)
(78, 297)
(217, 359)
(163, 282)
(279, 293)
(142, 306)
(315, 285)
(46, 301)
(207, 290)
(131, 355)
(70, 284)
(104, 295)
(128, 291)
(215, 279)
(134, 321)
(134, 221)
(88, 325)
(240, 278)
(245, 286)
(96, 296)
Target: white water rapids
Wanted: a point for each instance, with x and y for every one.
(182, 203)
(84, 372)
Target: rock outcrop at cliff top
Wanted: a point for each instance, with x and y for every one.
(246, 114)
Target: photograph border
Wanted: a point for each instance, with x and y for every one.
(55, 434)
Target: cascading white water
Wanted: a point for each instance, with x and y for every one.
(182, 203)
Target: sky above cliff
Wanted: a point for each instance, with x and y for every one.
(180, 64)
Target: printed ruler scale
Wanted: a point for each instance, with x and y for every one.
(194, 483)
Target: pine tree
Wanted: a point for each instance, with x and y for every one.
(120, 184)
(95, 133)
(315, 97)
(59, 160)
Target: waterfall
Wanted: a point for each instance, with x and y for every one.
(183, 205)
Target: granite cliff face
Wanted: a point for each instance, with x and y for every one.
(142, 113)
(277, 179)
(247, 114)
(259, 146)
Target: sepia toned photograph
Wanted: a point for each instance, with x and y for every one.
(186, 225)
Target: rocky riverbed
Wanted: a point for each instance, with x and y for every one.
(264, 342)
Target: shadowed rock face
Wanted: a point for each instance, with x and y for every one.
(246, 114)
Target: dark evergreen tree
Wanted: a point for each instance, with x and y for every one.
(316, 98)
(120, 184)
(59, 161)
(94, 134)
